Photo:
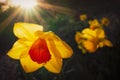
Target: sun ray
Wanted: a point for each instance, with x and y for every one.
(38, 16)
(56, 8)
(20, 15)
(34, 15)
(8, 20)
(30, 14)
(26, 16)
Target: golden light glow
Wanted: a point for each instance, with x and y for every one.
(29, 11)
(25, 4)
(2, 1)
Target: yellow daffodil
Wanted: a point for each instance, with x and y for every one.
(83, 17)
(94, 24)
(35, 48)
(91, 39)
(105, 21)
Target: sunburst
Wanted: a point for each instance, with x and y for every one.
(29, 11)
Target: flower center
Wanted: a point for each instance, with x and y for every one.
(39, 51)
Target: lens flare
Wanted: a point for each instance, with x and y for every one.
(25, 4)
(29, 11)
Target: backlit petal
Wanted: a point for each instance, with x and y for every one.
(26, 30)
(101, 44)
(29, 65)
(52, 48)
(100, 33)
(54, 65)
(88, 33)
(17, 49)
(78, 37)
(90, 46)
(94, 24)
(58, 46)
(64, 49)
(107, 43)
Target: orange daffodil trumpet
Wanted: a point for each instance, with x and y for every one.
(35, 48)
(92, 38)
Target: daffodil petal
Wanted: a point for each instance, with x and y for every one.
(52, 49)
(107, 43)
(100, 33)
(64, 49)
(28, 65)
(17, 49)
(88, 33)
(26, 30)
(78, 37)
(101, 44)
(58, 46)
(94, 24)
(90, 46)
(54, 65)
(87, 36)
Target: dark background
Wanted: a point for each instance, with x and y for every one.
(102, 65)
